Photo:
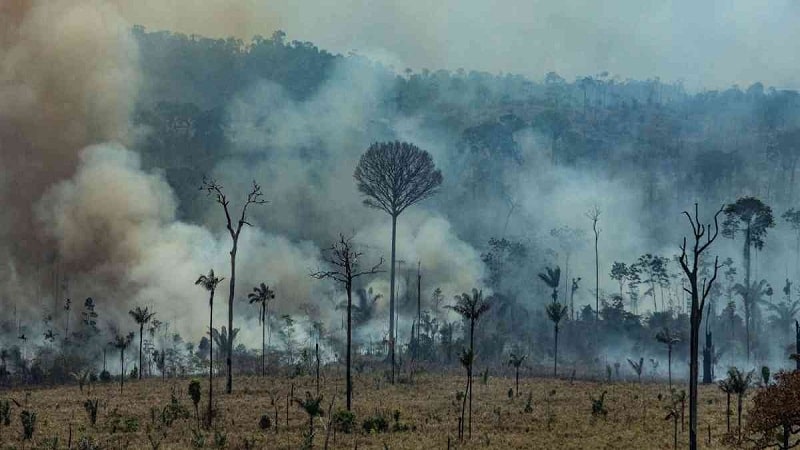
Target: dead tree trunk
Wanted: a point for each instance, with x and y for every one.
(699, 292)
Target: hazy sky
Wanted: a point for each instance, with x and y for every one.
(706, 43)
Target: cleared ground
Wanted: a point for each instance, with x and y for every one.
(560, 418)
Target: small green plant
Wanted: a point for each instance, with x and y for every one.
(264, 423)
(344, 421)
(105, 376)
(598, 406)
(529, 403)
(88, 443)
(220, 439)
(485, 376)
(198, 439)
(765, 375)
(28, 420)
(91, 409)
(130, 425)
(194, 393)
(5, 412)
(397, 425)
(375, 424)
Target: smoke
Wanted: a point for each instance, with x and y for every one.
(68, 75)
(712, 45)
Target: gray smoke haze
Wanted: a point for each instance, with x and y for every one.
(72, 179)
(711, 44)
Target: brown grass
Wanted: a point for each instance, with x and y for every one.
(635, 418)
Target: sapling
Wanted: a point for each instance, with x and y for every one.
(194, 393)
(91, 409)
(28, 420)
(637, 367)
(313, 408)
(598, 406)
(516, 361)
(765, 375)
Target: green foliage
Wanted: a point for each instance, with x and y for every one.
(598, 406)
(376, 423)
(5, 412)
(344, 421)
(28, 420)
(765, 375)
(264, 423)
(91, 407)
(194, 392)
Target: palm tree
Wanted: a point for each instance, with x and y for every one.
(209, 283)
(142, 316)
(666, 337)
(471, 308)
(121, 343)
(516, 361)
(556, 312)
(221, 336)
(313, 408)
(466, 359)
(637, 367)
(739, 382)
(552, 278)
(262, 295)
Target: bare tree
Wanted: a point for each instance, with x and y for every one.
(393, 176)
(215, 189)
(699, 293)
(344, 261)
(594, 215)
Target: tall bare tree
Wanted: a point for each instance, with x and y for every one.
(234, 227)
(142, 317)
(343, 260)
(209, 283)
(594, 215)
(393, 176)
(704, 236)
(261, 296)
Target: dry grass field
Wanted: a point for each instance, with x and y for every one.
(560, 417)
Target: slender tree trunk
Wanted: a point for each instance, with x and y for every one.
(229, 361)
(471, 366)
(797, 343)
(728, 410)
(597, 274)
(263, 339)
(695, 318)
(211, 358)
(739, 415)
(555, 354)
(669, 365)
(391, 297)
(141, 337)
(787, 432)
(121, 368)
(349, 344)
(517, 380)
(747, 305)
